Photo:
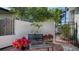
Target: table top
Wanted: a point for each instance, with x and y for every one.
(40, 46)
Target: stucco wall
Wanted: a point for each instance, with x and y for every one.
(23, 28)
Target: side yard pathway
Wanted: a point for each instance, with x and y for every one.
(67, 46)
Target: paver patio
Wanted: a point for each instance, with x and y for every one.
(58, 45)
(67, 46)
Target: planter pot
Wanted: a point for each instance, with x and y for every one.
(28, 47)
(25, 48)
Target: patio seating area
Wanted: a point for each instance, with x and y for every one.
(57, 45)
(53, 47)
(40, 29)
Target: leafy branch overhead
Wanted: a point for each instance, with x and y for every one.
(37, 14)
(57, 15)
(33, 13)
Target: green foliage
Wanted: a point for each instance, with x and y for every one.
(38, 14)
(35, 14)
(37, 24)
(57, 15)
(20, 12)
(66, 30)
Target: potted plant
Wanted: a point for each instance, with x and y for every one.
(21, 44)
(48, 38)
(37, 25)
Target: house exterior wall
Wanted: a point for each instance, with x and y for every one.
(5, 38)
(3, 16)
(23, 28)
(71, 19)
(7, 22)
(75, 18)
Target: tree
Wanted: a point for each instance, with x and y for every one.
(20, 12)
(57, 15)
(37, 25)
(36, 14)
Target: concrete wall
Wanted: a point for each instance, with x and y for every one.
(23, 28)
(47, 28)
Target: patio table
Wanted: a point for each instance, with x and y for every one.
(42, 47)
